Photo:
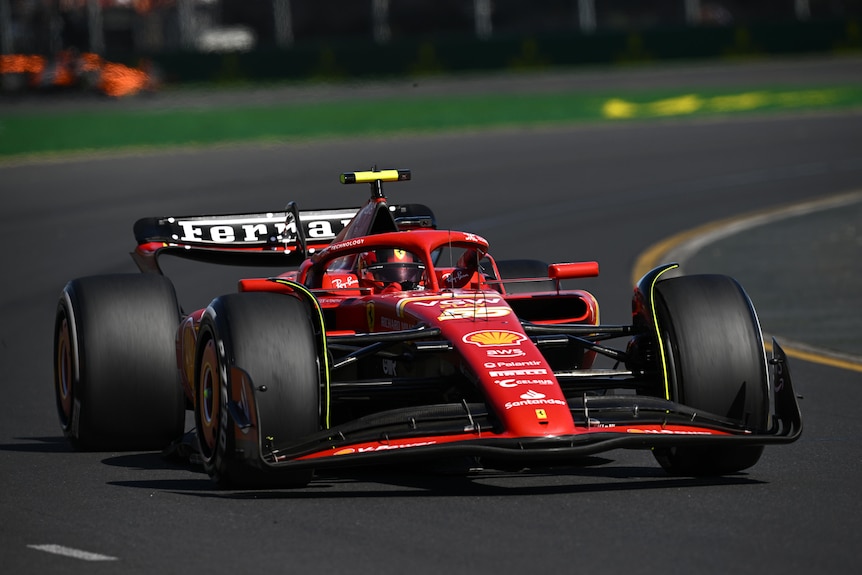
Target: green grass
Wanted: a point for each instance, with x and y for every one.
(31, 133)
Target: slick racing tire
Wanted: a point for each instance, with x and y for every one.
(116, 382)
(270, 337)
(519, 269)
(715, 362)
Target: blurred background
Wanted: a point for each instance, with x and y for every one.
(254, 40)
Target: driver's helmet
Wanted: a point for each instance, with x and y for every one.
(382, 268)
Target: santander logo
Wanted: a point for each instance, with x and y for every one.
(533, 398)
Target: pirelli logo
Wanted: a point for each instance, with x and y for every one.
(518, 372)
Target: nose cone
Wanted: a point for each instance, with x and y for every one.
(519, 385)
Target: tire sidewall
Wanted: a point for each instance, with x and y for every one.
(214, 456)
(67, 385)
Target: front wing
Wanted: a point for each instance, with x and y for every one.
(454, 430)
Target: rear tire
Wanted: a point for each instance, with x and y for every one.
(713, 347)
(116, 382)
(271, 338)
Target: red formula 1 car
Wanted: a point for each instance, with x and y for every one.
(392, 340)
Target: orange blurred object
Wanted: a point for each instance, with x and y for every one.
(89, 62)
(69, 70)
(21, 64)
(119, 80)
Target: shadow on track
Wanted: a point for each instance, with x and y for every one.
(39, 445)
(389, 482)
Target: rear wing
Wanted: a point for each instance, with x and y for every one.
(256, 239)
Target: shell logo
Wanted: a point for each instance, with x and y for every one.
(494, 338)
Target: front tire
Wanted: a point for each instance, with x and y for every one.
(271, 338)
(715, 361)
(116, 382)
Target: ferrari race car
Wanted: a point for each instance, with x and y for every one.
(390, 340)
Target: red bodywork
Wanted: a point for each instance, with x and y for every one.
(485, 331)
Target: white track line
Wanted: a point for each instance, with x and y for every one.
(685, 251)
(70, 552)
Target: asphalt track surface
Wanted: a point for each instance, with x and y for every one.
(562, 194)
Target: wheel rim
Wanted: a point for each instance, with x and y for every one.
(64, 376)
(209, 402)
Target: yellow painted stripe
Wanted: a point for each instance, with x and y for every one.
(653, 256)
(814, 357)
(658, 333)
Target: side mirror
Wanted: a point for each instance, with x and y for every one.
(573, 270)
